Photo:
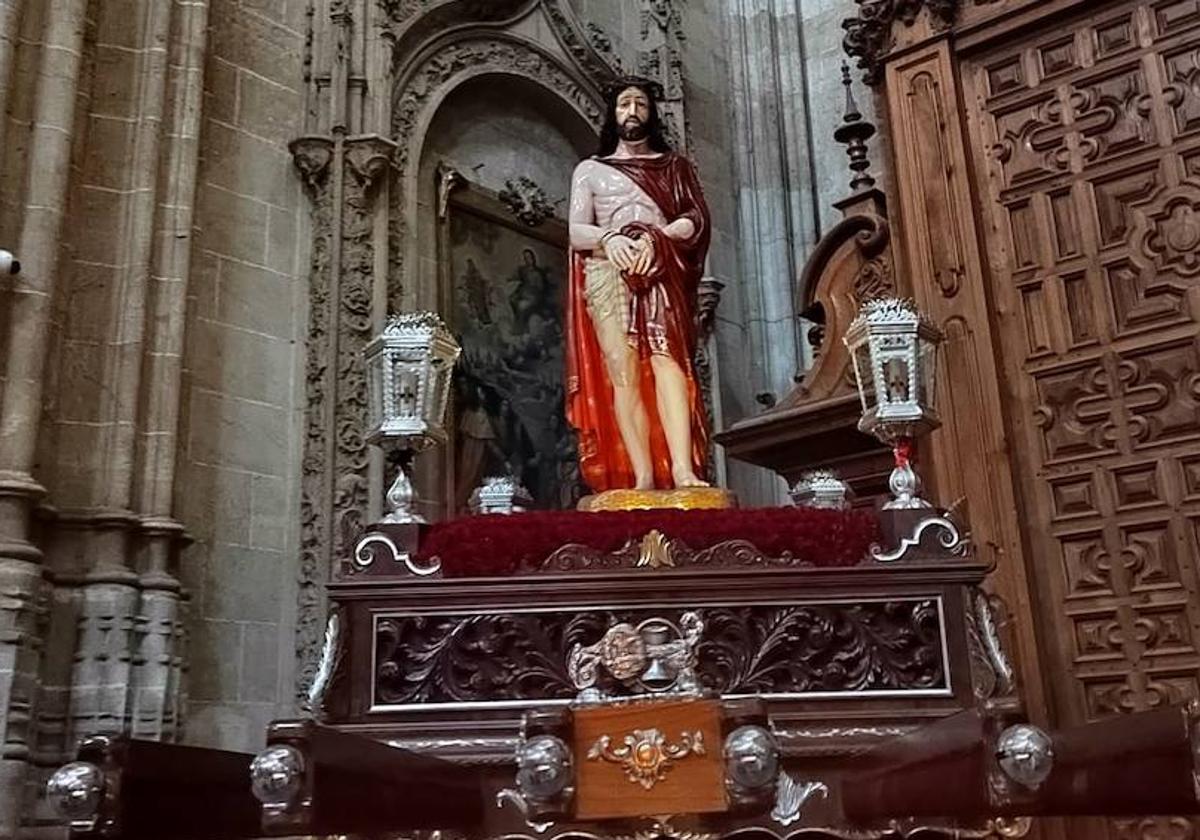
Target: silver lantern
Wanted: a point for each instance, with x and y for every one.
(894, 351)
(409, 367)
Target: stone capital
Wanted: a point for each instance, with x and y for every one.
(368, 157)
(311, 156)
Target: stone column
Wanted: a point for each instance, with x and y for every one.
(157, 679)
(38, 245)
(113, 661)
(10, 18)
(110, 621)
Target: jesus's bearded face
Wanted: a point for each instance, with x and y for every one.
(633, 113)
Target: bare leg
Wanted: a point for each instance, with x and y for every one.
(622, 363)
(674, 409)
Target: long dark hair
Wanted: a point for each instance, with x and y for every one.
(609, 133)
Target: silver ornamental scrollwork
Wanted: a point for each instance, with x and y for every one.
(578, 557)
(508, 796)
(790, 797)
(949, 538)
(662, 829)
(545, 771)
(364, 556)
(331, 653)
(909, 829)
(990, 637)
(655, 656)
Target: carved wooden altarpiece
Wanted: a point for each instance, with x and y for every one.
(1047, 160)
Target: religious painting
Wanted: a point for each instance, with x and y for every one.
(506, 284)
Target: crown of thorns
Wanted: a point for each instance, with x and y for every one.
(616, 86)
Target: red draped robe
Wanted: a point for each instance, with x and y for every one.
(664, 300)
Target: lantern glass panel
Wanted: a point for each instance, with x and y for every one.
(866, 378)
(928, 366)
(407, 392)
(897, 383)
(374, 397)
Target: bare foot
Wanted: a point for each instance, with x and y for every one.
(689, 479)
(643, 483)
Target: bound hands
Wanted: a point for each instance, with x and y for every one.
(634, 257)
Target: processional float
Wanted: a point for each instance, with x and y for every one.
(650, 676)
(814, 671)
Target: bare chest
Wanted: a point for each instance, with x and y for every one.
(617, 198)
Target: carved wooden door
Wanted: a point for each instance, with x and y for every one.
(1085, 140)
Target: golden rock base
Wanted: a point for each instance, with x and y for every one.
(681, 498)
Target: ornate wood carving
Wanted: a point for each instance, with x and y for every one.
(839, 647)
(1084, 142)
(995, 829)
(945, 273)
(577, 558)
(869, 33)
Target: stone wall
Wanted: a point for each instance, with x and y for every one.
(238, 486)
(149, 384)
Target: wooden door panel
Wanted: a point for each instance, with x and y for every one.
(942, 267)
(1086, 146)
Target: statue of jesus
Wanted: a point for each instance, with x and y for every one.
(639, 231)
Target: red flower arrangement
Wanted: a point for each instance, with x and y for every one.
(497, 545)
